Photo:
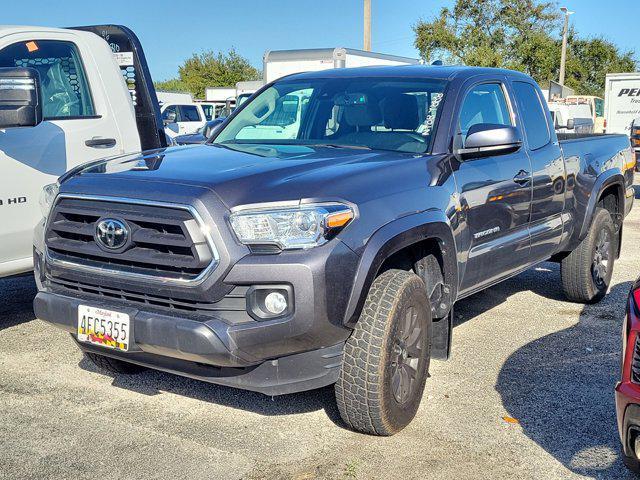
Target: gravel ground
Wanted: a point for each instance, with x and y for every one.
(520, 352)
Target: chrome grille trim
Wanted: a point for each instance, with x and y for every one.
(157, 279)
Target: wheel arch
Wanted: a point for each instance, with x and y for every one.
(610, 183)
(430, 227)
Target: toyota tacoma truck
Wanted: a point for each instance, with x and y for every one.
(280, 263)
(96, 100)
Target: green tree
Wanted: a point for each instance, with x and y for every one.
(171, 85)
(210, 69)
(522, 35)
(588, 62)
(488, 33)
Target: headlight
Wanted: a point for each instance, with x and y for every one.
(47, 197)
(303, 226)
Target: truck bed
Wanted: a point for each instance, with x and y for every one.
(565, 137)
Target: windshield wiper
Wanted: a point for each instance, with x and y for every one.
(340, 145)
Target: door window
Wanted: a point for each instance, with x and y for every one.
(485, 103)
(171, 109)
(189, 113)
(534, 119)
(65, 90)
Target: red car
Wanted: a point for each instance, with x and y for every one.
(628, 389)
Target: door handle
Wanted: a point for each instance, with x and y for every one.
(99, 142)
(522, 177)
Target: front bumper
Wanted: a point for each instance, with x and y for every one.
(200, 350)
(299, 351)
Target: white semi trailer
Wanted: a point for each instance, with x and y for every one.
(621, 101)
(278, 63)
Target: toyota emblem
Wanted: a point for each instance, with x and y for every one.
(112, 234)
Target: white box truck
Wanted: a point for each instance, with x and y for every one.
(279, 63)
(621, 101)
(244, 90)
(173, 97)
(220, 94)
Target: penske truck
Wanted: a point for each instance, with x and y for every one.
(621, 102)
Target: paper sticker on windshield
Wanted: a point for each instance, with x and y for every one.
(124, 59)
(31, 46)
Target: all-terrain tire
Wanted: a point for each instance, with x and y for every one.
(390, 342)
(113, 365)
(583, 279)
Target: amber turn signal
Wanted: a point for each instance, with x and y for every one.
(338, 219)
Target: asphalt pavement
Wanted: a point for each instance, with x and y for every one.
(528, 393)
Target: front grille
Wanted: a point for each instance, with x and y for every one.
(635, 363)
(234, 301)
(167, 242)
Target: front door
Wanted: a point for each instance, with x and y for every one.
(189, 119)
(494, 194)
(77, 128)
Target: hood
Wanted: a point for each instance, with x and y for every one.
(245, 174)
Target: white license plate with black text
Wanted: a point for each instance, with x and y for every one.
(106, 328)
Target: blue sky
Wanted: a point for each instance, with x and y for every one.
(171, 30)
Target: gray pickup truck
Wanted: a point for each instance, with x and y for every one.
(325, 233)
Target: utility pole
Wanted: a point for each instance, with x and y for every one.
(563, 57)
(367, 25)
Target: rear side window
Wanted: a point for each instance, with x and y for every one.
(534, 119)
(485, 103)
(189, 113)
(65, 91)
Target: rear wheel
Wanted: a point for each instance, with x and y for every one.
(386, 359)
(113, 365)
(586, 272)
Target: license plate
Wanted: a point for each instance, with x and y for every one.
(103, 327)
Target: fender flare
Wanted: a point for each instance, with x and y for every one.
(393, 237)
(604, 181)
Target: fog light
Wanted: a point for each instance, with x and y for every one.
(266, 302)
(275, 303)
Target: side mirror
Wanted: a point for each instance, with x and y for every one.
(20, 104)
(571, 124)
(487, 139)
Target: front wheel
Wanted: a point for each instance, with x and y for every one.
(586, 272)
(386, 359)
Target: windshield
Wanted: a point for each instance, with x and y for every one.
(397, 114)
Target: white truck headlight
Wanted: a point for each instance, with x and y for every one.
(47, 197)
(302, 226)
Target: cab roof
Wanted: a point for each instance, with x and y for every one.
(409, 71)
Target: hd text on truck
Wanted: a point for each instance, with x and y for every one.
(331, 251)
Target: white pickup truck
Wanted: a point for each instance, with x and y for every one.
(87, 94)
